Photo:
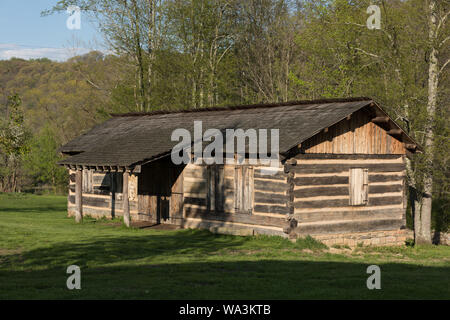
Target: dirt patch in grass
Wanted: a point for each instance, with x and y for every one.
(8, 252)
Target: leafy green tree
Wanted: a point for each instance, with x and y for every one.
(14, 143)
(41, 161)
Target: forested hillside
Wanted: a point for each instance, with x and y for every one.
(170, 54)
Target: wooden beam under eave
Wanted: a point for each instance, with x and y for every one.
(395, 132)
(125, 201)
(410, 146)
(380, 120)
(292, 161)
(137, 169)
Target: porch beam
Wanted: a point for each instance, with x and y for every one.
(78, 196)
(126, 207)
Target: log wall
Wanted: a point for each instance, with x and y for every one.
(269, 201)
(321, 195)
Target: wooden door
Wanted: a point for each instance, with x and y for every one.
(176, 195)
(161, 192)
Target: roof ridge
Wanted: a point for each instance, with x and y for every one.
(243, 106)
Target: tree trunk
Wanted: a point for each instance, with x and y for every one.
(433, 81)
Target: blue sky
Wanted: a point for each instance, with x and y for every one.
(25, 34)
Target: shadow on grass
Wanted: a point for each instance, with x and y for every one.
(162, 266)
(265, 279)
(42, 209)
(123, 249)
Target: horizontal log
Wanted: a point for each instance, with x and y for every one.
(385, 178)
(343, 191)
(321, 191)
(373, 201)
(331, 168)
(97, 202)
(273, 198)
(271, 209)
(279, 175)
(270, 186)
(195, 172)
(329, 156)
(306, 181)
(95, 190)
(350, 226)
(101, 191)
(332, 215)
(321, 204)
(194, 187)
(103, 202)
(385, 188)
(230, 228)
(108, 213)
(235, 217)
(196, 201)
(381, 201)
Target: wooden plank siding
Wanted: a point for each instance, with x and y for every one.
(358, 135)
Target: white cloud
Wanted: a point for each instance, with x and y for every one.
(8, 51)
(8, 46)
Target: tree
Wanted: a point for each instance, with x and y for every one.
(14, 139)
(265, 47)
(130, 28)
(41, 161)
(437, 14)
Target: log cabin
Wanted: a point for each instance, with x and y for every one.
(340, 176)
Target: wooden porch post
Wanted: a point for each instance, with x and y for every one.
(78, 196)
(126, 207)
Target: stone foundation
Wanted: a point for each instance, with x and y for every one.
(375, 238)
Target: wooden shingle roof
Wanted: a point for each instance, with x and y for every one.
(135, 138)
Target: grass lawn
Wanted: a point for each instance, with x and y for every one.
(38, 242)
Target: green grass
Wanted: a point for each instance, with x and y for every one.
(38, 242)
